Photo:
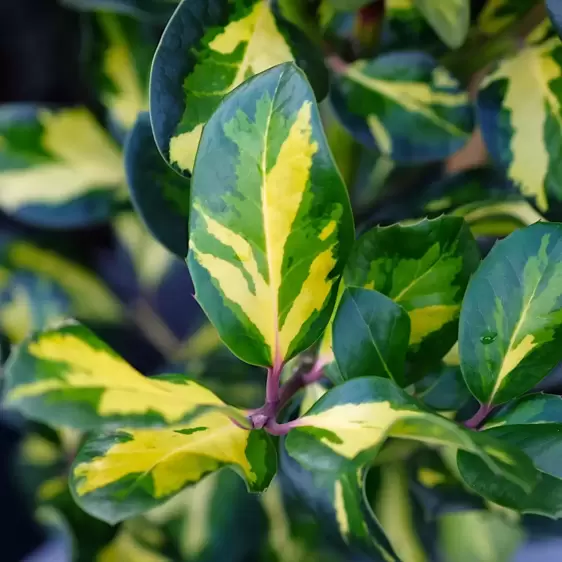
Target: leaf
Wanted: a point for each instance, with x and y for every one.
(151, 261)
(207, 50)
(126, 547)
(371, 335)
(90, 299)
(125, 67)
(498, 15)
(160, 196)
(405, 105)
(444, 389)
(510, 328)
(522, 125)
(28, 303)
(67, 376)
(271, 227)
(478, 536)
(424, 267)
(64, 149)
(121, 474)
(346, 428)
(555, 13)
(349, 5)
(450, 20)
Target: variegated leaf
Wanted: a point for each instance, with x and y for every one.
(90, 299)
(58, 167)
(271, 227)
(424, 267)
(520, 111)
(208, 49)
(347, 427)
(450, 20)
(126, 547)
(498, 15)
(405, 105)
(511, 321)
(125, 67)
(534, 425)
(118, 475)
(68, 377)
(160, 196)
(370, 336)
(555, 12)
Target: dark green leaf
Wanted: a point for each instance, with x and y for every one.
(370, 335)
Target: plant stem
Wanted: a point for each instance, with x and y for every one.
(482, 413)
(280, 429)
(300, 380)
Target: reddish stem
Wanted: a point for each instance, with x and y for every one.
(280, 429)
(476, 420)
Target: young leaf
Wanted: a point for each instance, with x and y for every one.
(209, 48)
(370, 336)
(347, 426)
(118, 475)
(534, 425)
(160, 196)
(271, 227)
(423, 267)
(555, 13)
(519, 111)
(406, 105)
(450, 20)
(510, 334)
(66, 150)
(67, 376)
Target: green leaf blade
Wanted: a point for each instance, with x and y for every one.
(371, 335)
(510, 330)
(267, 273)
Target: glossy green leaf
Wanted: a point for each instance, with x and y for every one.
(555, 13)
(120, 474)
(208, 49)
(406, 105)
(347, 426)
(90, 299)
(67, 376)
(160, 196)
(349, 5)
(444, 389)
(271, 227)
(370, 336)
(534, 425)
(450, 20)
(424, 267)
(66, 150)
(479, 536)
(510, 334)
(498, 15)
(519, 109)
(125, 67)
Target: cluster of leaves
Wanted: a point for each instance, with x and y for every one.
(255, 139)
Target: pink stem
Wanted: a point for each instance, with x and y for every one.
(482, 413)
(279, 429)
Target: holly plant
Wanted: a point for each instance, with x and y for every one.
(365, 196)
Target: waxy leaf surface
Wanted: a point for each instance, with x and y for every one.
(370, 335)
(68, 377)
(450, 20)
(424, 268)
(519, 107)
(271, 227)
(58, 167)
(406, 105)
(510, 334)
(120, 474)
(348, 425)
(208, 49)
(160, 196)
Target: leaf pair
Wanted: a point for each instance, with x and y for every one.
(176, 430)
